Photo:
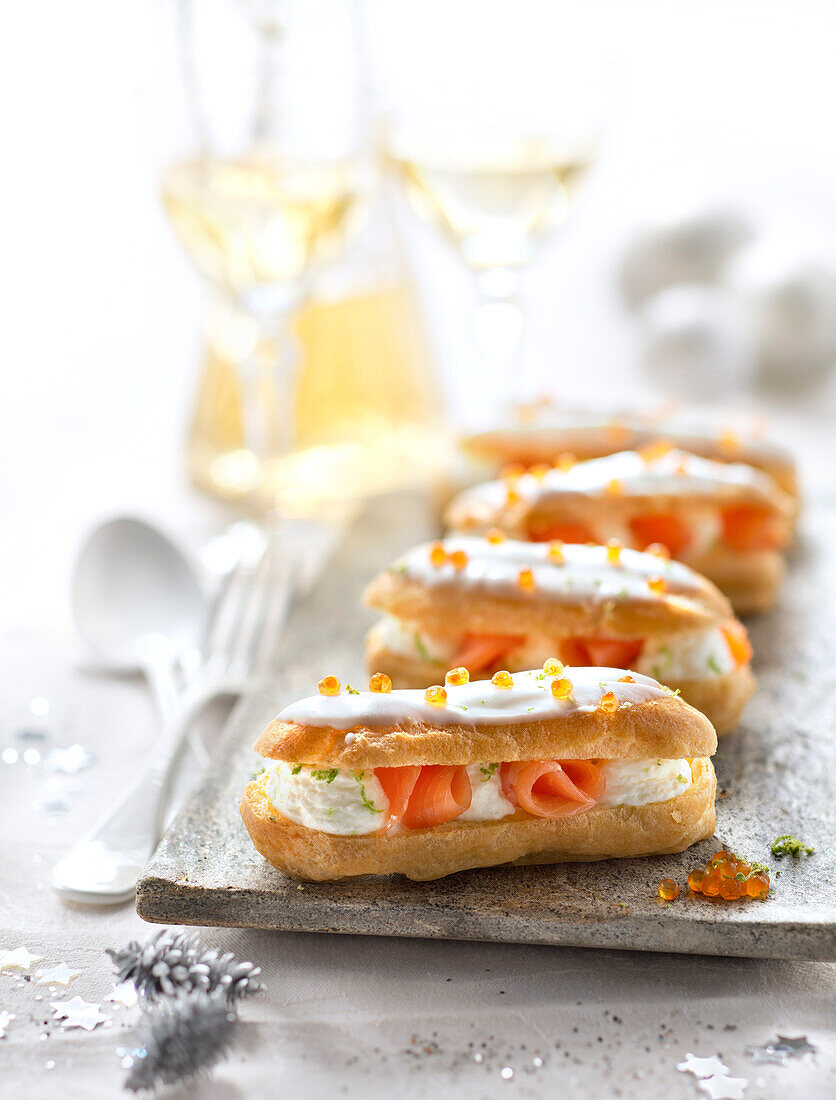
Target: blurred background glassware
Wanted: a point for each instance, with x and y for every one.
(312, 388)
(497, 164)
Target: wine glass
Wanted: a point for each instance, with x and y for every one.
(493, 153)
(263, 119)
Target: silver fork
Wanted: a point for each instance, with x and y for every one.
(248, 614)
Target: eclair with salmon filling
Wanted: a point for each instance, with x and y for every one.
(728, 521)
(542, 434)
(587, 764)
(490, 603)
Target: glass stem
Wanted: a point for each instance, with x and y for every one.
(499, 331)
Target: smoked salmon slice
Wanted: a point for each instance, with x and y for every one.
(662, 527)
(739, 644)
(480, 651)
(398, 785)
(749, 527)
(441, 793)
(545, 788)
(606, 652)
(561, 532)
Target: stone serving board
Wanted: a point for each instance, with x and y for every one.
(776, 774)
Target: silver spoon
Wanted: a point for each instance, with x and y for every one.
(138, 604)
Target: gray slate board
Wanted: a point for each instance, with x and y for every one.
(777, 774)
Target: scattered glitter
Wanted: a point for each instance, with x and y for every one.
(5, 1019)
(777, 1051)
(19, 959)
(537, 1062)
(702, 1067)
(57, 975)
(59, 804)
(720, 1087)
(478, 1057)
(506, 1073)
(124, 993)
(69, 760)
(50, 1064)
(39, 706)
(31, 756)
(78, 1013)
(10, 756)
(30, 735)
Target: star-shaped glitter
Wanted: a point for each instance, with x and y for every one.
(19, 959)
(57, 975)
(78, 1013)
(720, 1087)
(69, 760)
(5, 1019)
(124, 994)
(778, 1051)
(702, 1067)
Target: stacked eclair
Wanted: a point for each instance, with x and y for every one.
(548, 681)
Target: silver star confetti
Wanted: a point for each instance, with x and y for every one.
(124, 994)
(19, 959)
(69, 760)
(78, 1013)
(778, 1051)
(702, 1067)
(5, 1019)
(57, 975)
(720, 1087)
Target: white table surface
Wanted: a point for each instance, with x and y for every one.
(99, 339)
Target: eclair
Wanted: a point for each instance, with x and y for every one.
(542, 434)
(491, 603)
(549, 766)
(728, 521)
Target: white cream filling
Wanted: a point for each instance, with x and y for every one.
(637, 782)
(330, 800)
(699, 655)
(335, 804)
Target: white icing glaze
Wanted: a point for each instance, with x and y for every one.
(585, 575)
(636, 475)
(477, 703)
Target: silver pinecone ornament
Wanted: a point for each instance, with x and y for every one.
(185, 1035)
(172, 962)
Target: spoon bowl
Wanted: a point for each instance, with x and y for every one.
(133, 594)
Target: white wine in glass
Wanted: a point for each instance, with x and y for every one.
(494, 202)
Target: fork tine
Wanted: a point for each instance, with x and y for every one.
(279, 595)
(250, 612)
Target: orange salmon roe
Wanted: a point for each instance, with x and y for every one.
(458, 559)
(329, 685)
(540, 470)
(380, 683)
(526, 579)
(626, 679)
(695, 878)
(457, 676)
(438, 555)
(561, 689)
(495, 536)
(512, 497)
(729, 877)
(658, 550)
(502, 679)
(657, 585)
(565, 461)
(668, 890)
(553, 667)
(609, 702)
(436, 696)
(613, 551)
(615, 487)
(513, 472)
(556, 552)
(655, 450)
